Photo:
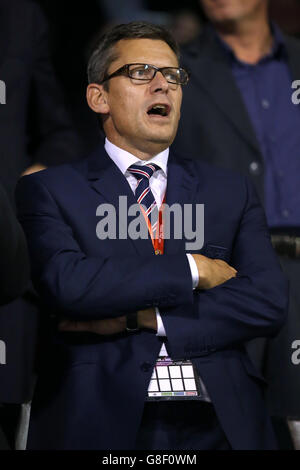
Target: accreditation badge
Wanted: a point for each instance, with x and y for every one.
(175, 380)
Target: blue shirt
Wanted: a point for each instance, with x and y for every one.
(266, 90)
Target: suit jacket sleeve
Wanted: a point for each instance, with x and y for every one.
(254, 304)
(51, 137)
(14, 261)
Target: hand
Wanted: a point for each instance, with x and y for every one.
(212, 272)
(147, 319)
(33, 169)
(108, 326)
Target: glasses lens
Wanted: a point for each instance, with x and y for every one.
(175, 75)
(141, 71)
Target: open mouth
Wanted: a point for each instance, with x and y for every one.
(159, 110)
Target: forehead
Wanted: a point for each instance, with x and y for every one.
(146, 51)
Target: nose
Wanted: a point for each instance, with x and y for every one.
(159, 83)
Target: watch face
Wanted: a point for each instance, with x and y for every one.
(131, 322)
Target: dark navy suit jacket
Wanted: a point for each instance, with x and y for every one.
(91, 389)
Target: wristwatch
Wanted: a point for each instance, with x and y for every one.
(132, 322)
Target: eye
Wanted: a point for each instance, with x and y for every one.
(141, 72)
(172, 75)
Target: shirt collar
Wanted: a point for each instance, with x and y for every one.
(124, 159)
(278, 48)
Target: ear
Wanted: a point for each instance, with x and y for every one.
(97, 98)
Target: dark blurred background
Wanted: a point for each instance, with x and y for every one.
(73, 29)
(74, 26)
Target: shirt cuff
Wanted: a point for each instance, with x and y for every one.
(194, 270)
(160, 326)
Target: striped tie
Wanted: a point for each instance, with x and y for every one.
(143, 192)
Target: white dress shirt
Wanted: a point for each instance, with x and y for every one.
(158, 185)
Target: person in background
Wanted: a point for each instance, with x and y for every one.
(14, 270)
(35, 127)
(14, 263)
(238, 113)
(35, 132)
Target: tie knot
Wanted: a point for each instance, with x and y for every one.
(143, 171)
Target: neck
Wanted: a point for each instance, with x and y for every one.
(250, 38)
(143, 152)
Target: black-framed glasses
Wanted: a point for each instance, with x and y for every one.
(147, 72)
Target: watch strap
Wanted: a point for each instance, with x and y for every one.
(132, 322)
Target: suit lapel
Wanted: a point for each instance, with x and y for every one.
(212, 73)
(181, 188)
(106, 178)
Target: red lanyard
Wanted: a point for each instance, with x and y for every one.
(158, 240)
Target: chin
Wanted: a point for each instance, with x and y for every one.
(160, 137)
(162, 141)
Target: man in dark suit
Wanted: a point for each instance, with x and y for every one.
(119, 316)
(238, 113)
(14, 270)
